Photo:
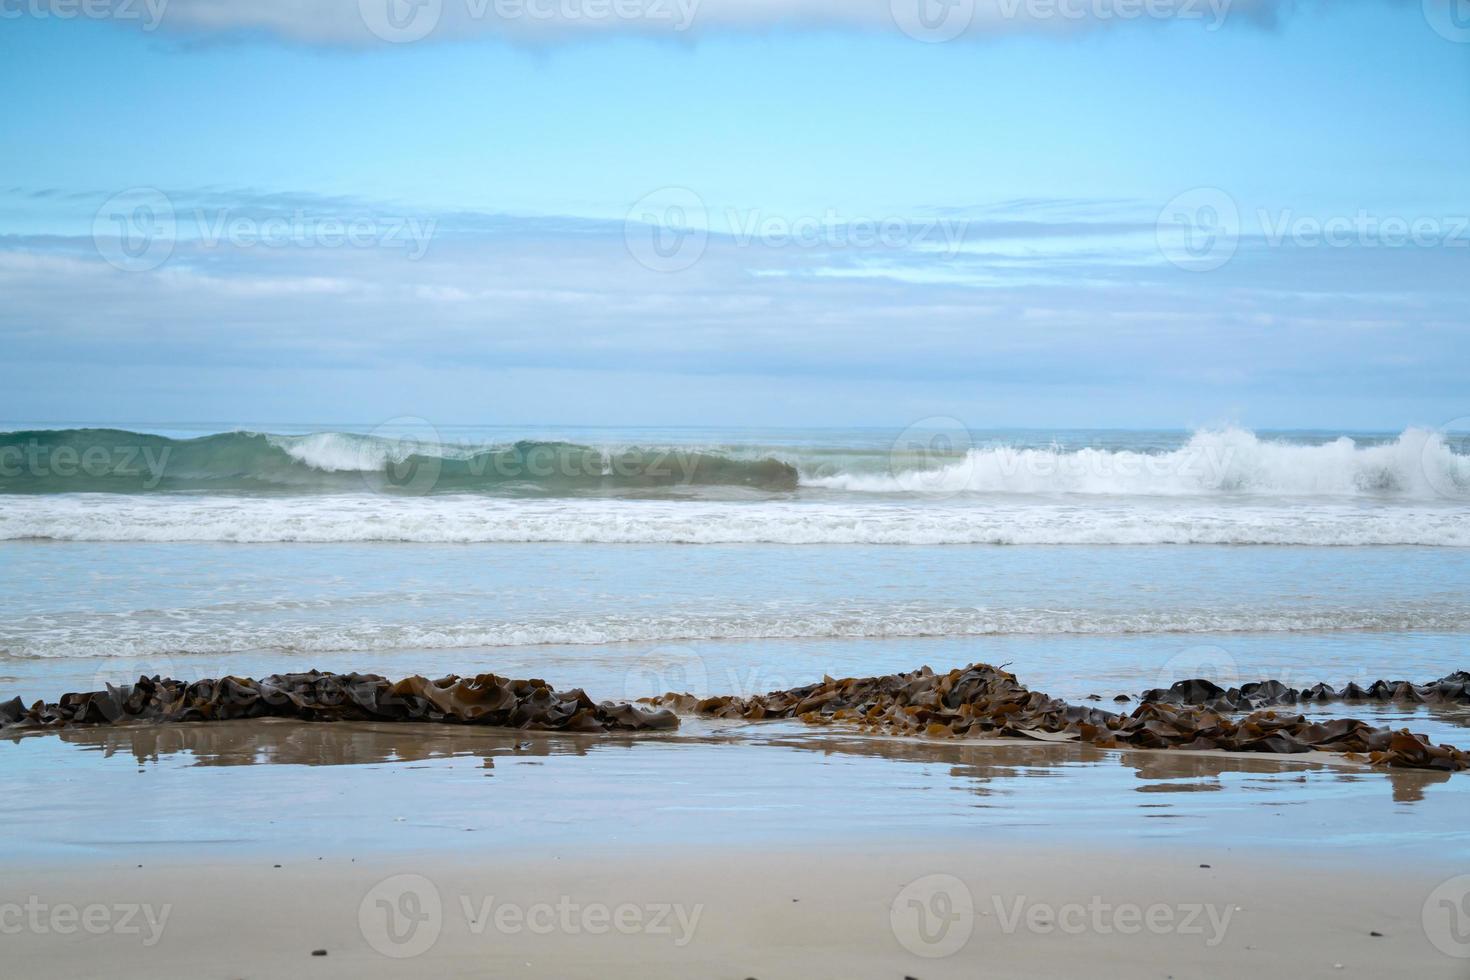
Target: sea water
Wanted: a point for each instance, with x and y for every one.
(632, 563)
(731, 561)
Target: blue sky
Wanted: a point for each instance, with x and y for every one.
(1173, 221)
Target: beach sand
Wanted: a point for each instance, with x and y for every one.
(768, 851)
(738, 912)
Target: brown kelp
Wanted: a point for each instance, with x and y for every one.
(985, 701)
(974, 701)
(315, 696)
(1450, 689)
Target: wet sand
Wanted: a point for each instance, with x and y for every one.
(729, 850)
(986, 910)
(293, 787)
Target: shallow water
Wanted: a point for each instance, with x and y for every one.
(633, 621)
(70, 599)
(300, 789)
(1126, 566)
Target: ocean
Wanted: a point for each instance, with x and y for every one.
(633, 562)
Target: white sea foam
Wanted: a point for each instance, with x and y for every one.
(346, 452)
(209, 631)
(478, 519)
(1417, 465)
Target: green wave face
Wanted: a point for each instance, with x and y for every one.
(117, 461)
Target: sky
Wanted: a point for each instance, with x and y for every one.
(1121, 213)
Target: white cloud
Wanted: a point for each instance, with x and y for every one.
(570, 293)
(376, 22)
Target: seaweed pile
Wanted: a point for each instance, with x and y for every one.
(985, 701)
(1451, 689)
(315, 696)
(974, 701)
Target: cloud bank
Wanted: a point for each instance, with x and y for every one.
(1029, 292)
(386, 22)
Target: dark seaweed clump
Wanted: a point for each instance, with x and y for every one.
(315, 696)
(1451, 689)
(985, 701)
(975, 701)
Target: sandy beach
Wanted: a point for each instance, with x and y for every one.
(734, 489)
(991, 908)
(238, 850)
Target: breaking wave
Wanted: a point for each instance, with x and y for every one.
(113, 460)
(1417, 465)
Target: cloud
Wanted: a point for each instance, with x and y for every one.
(355, 23)
(1038, 291)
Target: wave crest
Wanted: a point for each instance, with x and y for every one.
(1419, 464)
(113, 460)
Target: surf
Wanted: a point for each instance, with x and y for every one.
(1228, 463)
(480, 519)
(1418, 464)
(119, 461)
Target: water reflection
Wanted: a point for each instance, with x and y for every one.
(981, 767)
(985, 763)
(292, 743)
